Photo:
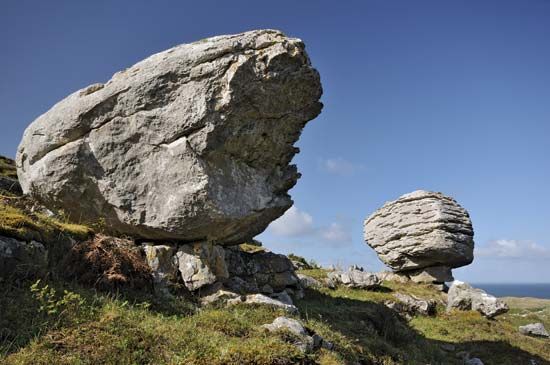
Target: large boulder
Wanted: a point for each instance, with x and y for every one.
(421, 230)
(191, 144)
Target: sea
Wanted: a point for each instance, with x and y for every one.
(541, 290)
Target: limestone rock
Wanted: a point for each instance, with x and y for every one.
(265, 300)
(161, 260)
(354, 278)
(257, 269)
(306, 340)
(201, 264)
(191, 144)
(462, 296)
(289, 324)
(308, 282)
(535, 330)
(421, 229)
(220, 297)
(409, 305)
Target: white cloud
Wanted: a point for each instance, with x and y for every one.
(335, 232)
(293, 223)
(513, 249)
(297, 223)
(339, 166)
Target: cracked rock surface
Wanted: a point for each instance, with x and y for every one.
(191, 144)
(420, 230)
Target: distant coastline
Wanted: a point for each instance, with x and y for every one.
(533, 290)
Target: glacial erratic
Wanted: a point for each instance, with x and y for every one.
(191, 144)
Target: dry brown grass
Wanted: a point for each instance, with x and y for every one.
(107, 263)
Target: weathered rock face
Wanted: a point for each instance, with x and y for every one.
(463, 296)
(420, 230)
(191, 144)
(205, 268)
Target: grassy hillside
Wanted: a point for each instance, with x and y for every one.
(57, 321)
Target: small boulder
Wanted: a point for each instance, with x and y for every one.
(535, 330)
(307, 341)
(354, 278)
(201, 264)
(462, 296)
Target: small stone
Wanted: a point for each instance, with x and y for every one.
(288, 324)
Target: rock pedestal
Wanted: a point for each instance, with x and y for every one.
(207, 268)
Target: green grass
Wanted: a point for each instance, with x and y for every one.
(60, 322)
(124, 329)
(18, 223)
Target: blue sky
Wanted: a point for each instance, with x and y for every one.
(452, 96)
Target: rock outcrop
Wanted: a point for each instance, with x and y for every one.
(422, 234)
(208, 269)
(191, 144)
(463, 296)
